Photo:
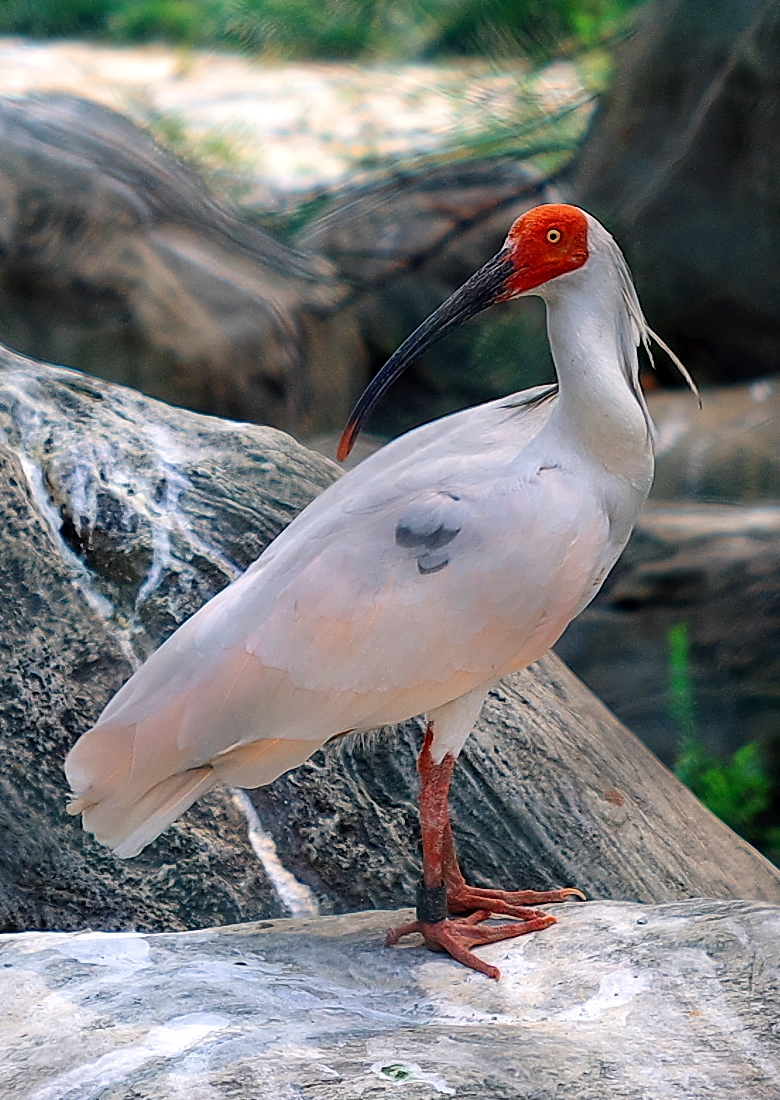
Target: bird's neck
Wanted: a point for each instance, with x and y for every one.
(600, 408)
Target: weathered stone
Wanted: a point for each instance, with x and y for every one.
(116, 259)
(120, 517)
(727, 451)
(680, 163)
(673, 1002)
(550, 790)
(704, 556)
(715, 569)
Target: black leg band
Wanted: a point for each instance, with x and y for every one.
(431, 903)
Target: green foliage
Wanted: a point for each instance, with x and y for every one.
(188, 22)
(54, 17)
(738, 790)
(331, 29)
(179, 21)
(681, 704)
(426, 28)
(217, 155)
(337, 29)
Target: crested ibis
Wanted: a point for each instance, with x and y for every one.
(455, 555)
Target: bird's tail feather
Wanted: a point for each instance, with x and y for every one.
(131, 782)
(127, 827)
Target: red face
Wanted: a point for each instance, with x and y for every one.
(546, 242)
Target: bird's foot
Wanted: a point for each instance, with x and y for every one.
(457, 937)
(462, 898)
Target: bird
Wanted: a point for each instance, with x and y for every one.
(453, 556)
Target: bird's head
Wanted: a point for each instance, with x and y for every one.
(547, 242)
(544, 244)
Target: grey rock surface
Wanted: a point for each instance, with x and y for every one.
(679, 163)
(549, 790)
(712, 570)
(726, 452)
(618, 1000)
(116, 259)
(120, 517)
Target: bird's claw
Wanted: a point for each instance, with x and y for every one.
(506, 903)
(457, 937)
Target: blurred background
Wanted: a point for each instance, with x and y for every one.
(243, 206)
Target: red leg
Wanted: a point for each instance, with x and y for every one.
(444, 887)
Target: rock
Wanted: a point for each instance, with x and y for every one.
(712, 569)
(679, 164)
(703, 557)
(618, 1000)
(121, 516)
(550, 790)
(116, 259)
(727, 451)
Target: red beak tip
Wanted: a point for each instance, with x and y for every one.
(345, 446)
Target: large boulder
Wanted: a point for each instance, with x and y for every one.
(713, 571)
(121, 516)
(680, 163)
(618, 1000)
(116, 259)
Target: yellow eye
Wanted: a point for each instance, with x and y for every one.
(553, 235)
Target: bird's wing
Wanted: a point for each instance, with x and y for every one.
(395, 592)
(398, 476)
(412, 602)
(385, 591)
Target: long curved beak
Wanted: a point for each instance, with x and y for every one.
(485, 287)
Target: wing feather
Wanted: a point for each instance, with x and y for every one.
(405, 585)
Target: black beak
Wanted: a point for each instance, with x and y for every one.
(485, 287)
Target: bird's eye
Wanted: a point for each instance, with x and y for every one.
(553, 235)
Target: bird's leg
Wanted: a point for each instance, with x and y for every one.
(441, 873)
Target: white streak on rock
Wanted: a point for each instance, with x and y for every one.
(166, 516)
(297, 896)
(82, 577)
(145, 479)
(29, 421)
(123, 951)
(616, 989)
(165, 1041)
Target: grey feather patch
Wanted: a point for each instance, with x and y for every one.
(427, 526)
(431, 563)
(420, 538)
